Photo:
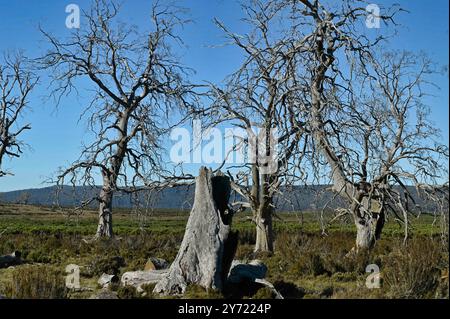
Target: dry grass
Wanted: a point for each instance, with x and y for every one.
(305, 263)
(36, 282)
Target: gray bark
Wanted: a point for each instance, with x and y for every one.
(368, 230)
(207, 249)
(365, 233)
(264, 230)
(105, 228)
(262, 211)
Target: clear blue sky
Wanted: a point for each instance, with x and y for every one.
(55, 136)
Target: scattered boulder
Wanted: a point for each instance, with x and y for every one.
(106, 280)
(139, 278)
(254, 271)
(240, 271)
(11, 260)
(154, 263)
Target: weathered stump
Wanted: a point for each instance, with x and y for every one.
(207, 248)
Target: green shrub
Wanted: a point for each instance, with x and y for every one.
(107, 265)
(289, 290)
(411, 271)
(39, 256)
(309, 264)
(264, 293)
(148, 291)
(198, 292)
(127, 292)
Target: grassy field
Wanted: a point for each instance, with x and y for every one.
(307, 263)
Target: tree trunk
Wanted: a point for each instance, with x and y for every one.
(263, 218)
(365, 233)
(208, 247)
(104, 228)
(110, 176)
(264, 232)
(368, 230)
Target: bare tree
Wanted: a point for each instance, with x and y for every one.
(389, 145)
(16, 83)
(138, 83)
(362, 125)
(258, 99)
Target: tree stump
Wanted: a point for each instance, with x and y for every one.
(208, 246)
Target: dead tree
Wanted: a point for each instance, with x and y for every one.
(365, 142)
(258, 100)
(139, 86)
(387, 144)
(208, 247)
(16, 83)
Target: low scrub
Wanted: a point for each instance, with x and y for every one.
(36, 282)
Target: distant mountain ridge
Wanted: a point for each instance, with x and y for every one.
(296, 198)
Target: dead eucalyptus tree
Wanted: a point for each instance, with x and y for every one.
(138, 85)
(372, 146)
(258, 100)
(387, 144)
(385, 153)
(16, 83)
